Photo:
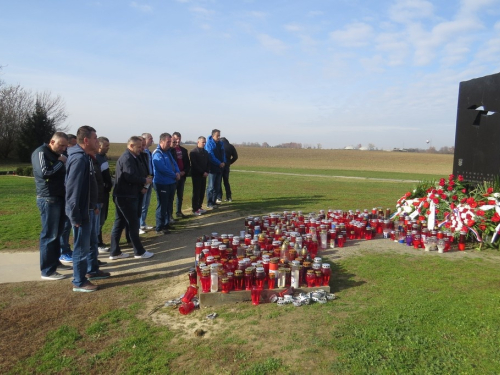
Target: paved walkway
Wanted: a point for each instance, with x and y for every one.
(20, 266)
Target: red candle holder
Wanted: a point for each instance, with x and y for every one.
(193, 277)
(255, 292)
(186, 308)
(310, 278)
(326, 271)
(191, 291)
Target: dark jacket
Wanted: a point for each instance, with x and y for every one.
(231, 154)
(99, 180)
(216, 154)
(49, 172)
(185, 160)
(199, 162)
(129, 176)
(79, 175)
(106, 175)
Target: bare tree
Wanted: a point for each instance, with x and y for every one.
(54, 108)
(15, 104)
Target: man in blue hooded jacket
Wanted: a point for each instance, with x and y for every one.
(217, 158)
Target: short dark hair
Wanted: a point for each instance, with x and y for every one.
(102, 140)
(58, 135)
(71, 137)
(84, 132)
(215, 131)
(177, 134)
(134, 139)
(164, 136)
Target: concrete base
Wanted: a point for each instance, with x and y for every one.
(236, 296)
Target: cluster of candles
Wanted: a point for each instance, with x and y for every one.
(415, 233)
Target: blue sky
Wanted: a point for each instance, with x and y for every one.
(334, 73)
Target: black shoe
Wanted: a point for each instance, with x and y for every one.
(180, 215)
(169, 226)
(101, 263)
(64, 267)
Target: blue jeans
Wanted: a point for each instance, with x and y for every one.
(81, 249)
(145, 205)
(180, 193)
(126, 215)
(214, 184)
(165, 203)
(65, 247)
(92, 263)
(52, 215)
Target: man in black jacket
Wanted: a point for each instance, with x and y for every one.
(181, 156)
(102, 159)
(129, 183)
(199, 173)
(231, 157)
(49, 171)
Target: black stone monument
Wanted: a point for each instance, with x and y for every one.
(477, 138)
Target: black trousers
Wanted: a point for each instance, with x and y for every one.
(199, 186)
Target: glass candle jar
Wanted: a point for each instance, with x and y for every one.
(260, 277)
(214, 278)
(271, 280)
(205, 281)
(319, 278)
(461, 240)
(191, 291)
(193, 277)
(310, 278)
(326, 271)
(238, 280)
(249, 278)
(225, 285)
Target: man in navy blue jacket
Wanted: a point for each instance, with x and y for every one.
(49, 171)
(81, 198)
(217, 158)
(130, 182)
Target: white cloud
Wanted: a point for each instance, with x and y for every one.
(292, 27)
(272, 44)
(315, 13)
(409, 10)
(356, 34)
(141, 7)
(257, 14)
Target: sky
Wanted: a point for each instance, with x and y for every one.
(318, 72)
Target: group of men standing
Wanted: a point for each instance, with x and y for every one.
(73, 192)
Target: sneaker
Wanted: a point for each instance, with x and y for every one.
(229, 200)
(103, 250)
(218, 201)
(54, 276)
(141, 231)
(197, 213)
(64, 267)
(202, 211)
(171, 220)
(66, 258)
(101, 263)
(146, 255)
(98, 275)
(146, 228)
(86, 287)
(119, 256)
(210, 207)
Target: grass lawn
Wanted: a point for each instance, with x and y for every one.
(395, 313)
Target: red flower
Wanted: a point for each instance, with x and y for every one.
(460, 178)
(428, 212)
(473, 204)
(440, 191)
(490, 190)
(470, 223)
(492, 202)
(495, 218)
(482, 227)
(463, 200)
(436, 201)
(452, 183)
(450, 188)
(480, 213)
(426, 204)
(408, 194)
(421, 218)
(452, 206)
(442, 182)
(443, 196)
(454, 197)
(451, 177)
(464, 190)
(416, 203)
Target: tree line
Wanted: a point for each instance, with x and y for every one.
(27, 120)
